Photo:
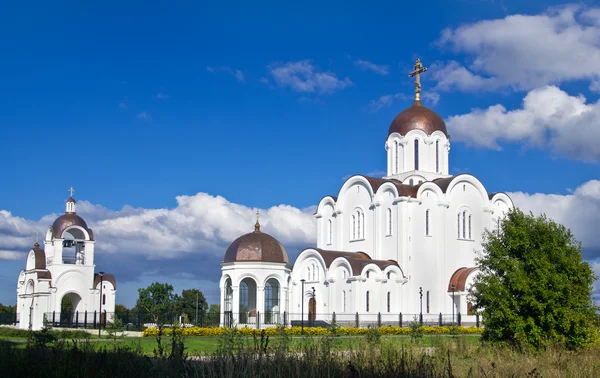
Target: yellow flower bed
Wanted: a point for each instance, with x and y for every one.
(309, 331)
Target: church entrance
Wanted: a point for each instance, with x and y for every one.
(312, 310)
(68, 308)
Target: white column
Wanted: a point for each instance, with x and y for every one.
(260, 304)
(235, 304)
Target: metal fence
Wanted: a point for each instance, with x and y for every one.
(140, 320)
(359, 320)
(9, 318)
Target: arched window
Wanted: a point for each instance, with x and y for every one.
(329, 232)
(464, 215)
(359, 216)
(470, 238)
(367, 297)
(368, 273)
(427, 222)
(388, 221)
(389, 274)
(103, 299)
(271, 300)
(411, 182)
(354, 227)
(416, 154)
(396, 165)
(458, 225)
(428, 301)
(228, 295)
(389, 302)
(315, 275)
(437, 156)
(344, 301)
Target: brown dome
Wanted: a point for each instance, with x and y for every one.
(417, 117)
(256, 246)
(68, 220)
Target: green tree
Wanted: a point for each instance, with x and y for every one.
(214, 309)
(187, 305)
(7, 309)
(534, 290)
(159, 301)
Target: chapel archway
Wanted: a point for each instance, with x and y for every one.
(69, 307)
(271, 301)
(247, 307)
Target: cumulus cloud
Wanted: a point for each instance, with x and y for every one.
(577, 211)
(303, 77)
(239, 75)
(365, 65)
(549, 117)
(189, 239)
(524, 51)
(162, 96)
(429, 98)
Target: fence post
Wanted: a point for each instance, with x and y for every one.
(356, 320)
(139, 321)
(53, 318)
(105, 316)
(85, 320)
(440, 322)
(94, 319)
(379, 319)
(76, 319)
(257, 319)
(400, 320)
(477, 320)
(284, 318)
(459, 319)
(333, 318)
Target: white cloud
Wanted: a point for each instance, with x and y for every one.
(238, 74)
(429, 98)
(122, 105)
(302, 76)
(199, 224)
(524, 51)
(365, 65)
(144, 116)
(162, 96)
(577, 211)
(549, 117)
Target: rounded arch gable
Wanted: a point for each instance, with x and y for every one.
(429, 186)
(393, 269)
(356, 179)
(275, 277)
(325, 201)
(386, 187)
(86, 234)
(465, 178)
(340, 262)
(371, 268)
(246, 275)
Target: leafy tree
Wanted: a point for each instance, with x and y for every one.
(187, 304)
(158, 300)
(119, 308)
(534, 290)
(214, 309)
(7, 309)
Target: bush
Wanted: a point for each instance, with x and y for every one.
(314, 331)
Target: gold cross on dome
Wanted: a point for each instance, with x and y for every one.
(257, 225)
(71, 190)
(419, 69)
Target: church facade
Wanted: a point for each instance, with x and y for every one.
(404, 243)
(59, 283)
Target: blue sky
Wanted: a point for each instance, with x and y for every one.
(270, 106)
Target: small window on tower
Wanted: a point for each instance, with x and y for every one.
(416, 154)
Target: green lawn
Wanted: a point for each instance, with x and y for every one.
(204, 345)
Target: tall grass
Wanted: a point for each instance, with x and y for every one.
(372, 356)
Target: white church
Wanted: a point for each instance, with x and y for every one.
(404, 244)
(64, 268)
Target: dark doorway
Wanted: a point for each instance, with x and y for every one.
(312, 309)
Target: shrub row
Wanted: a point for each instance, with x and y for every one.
(342, 331)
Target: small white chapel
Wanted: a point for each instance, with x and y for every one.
(405, 243)
(63, 269)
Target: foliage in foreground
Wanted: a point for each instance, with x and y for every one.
(316, 331)
(373, 357)
(58, 334)
(534, 290)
